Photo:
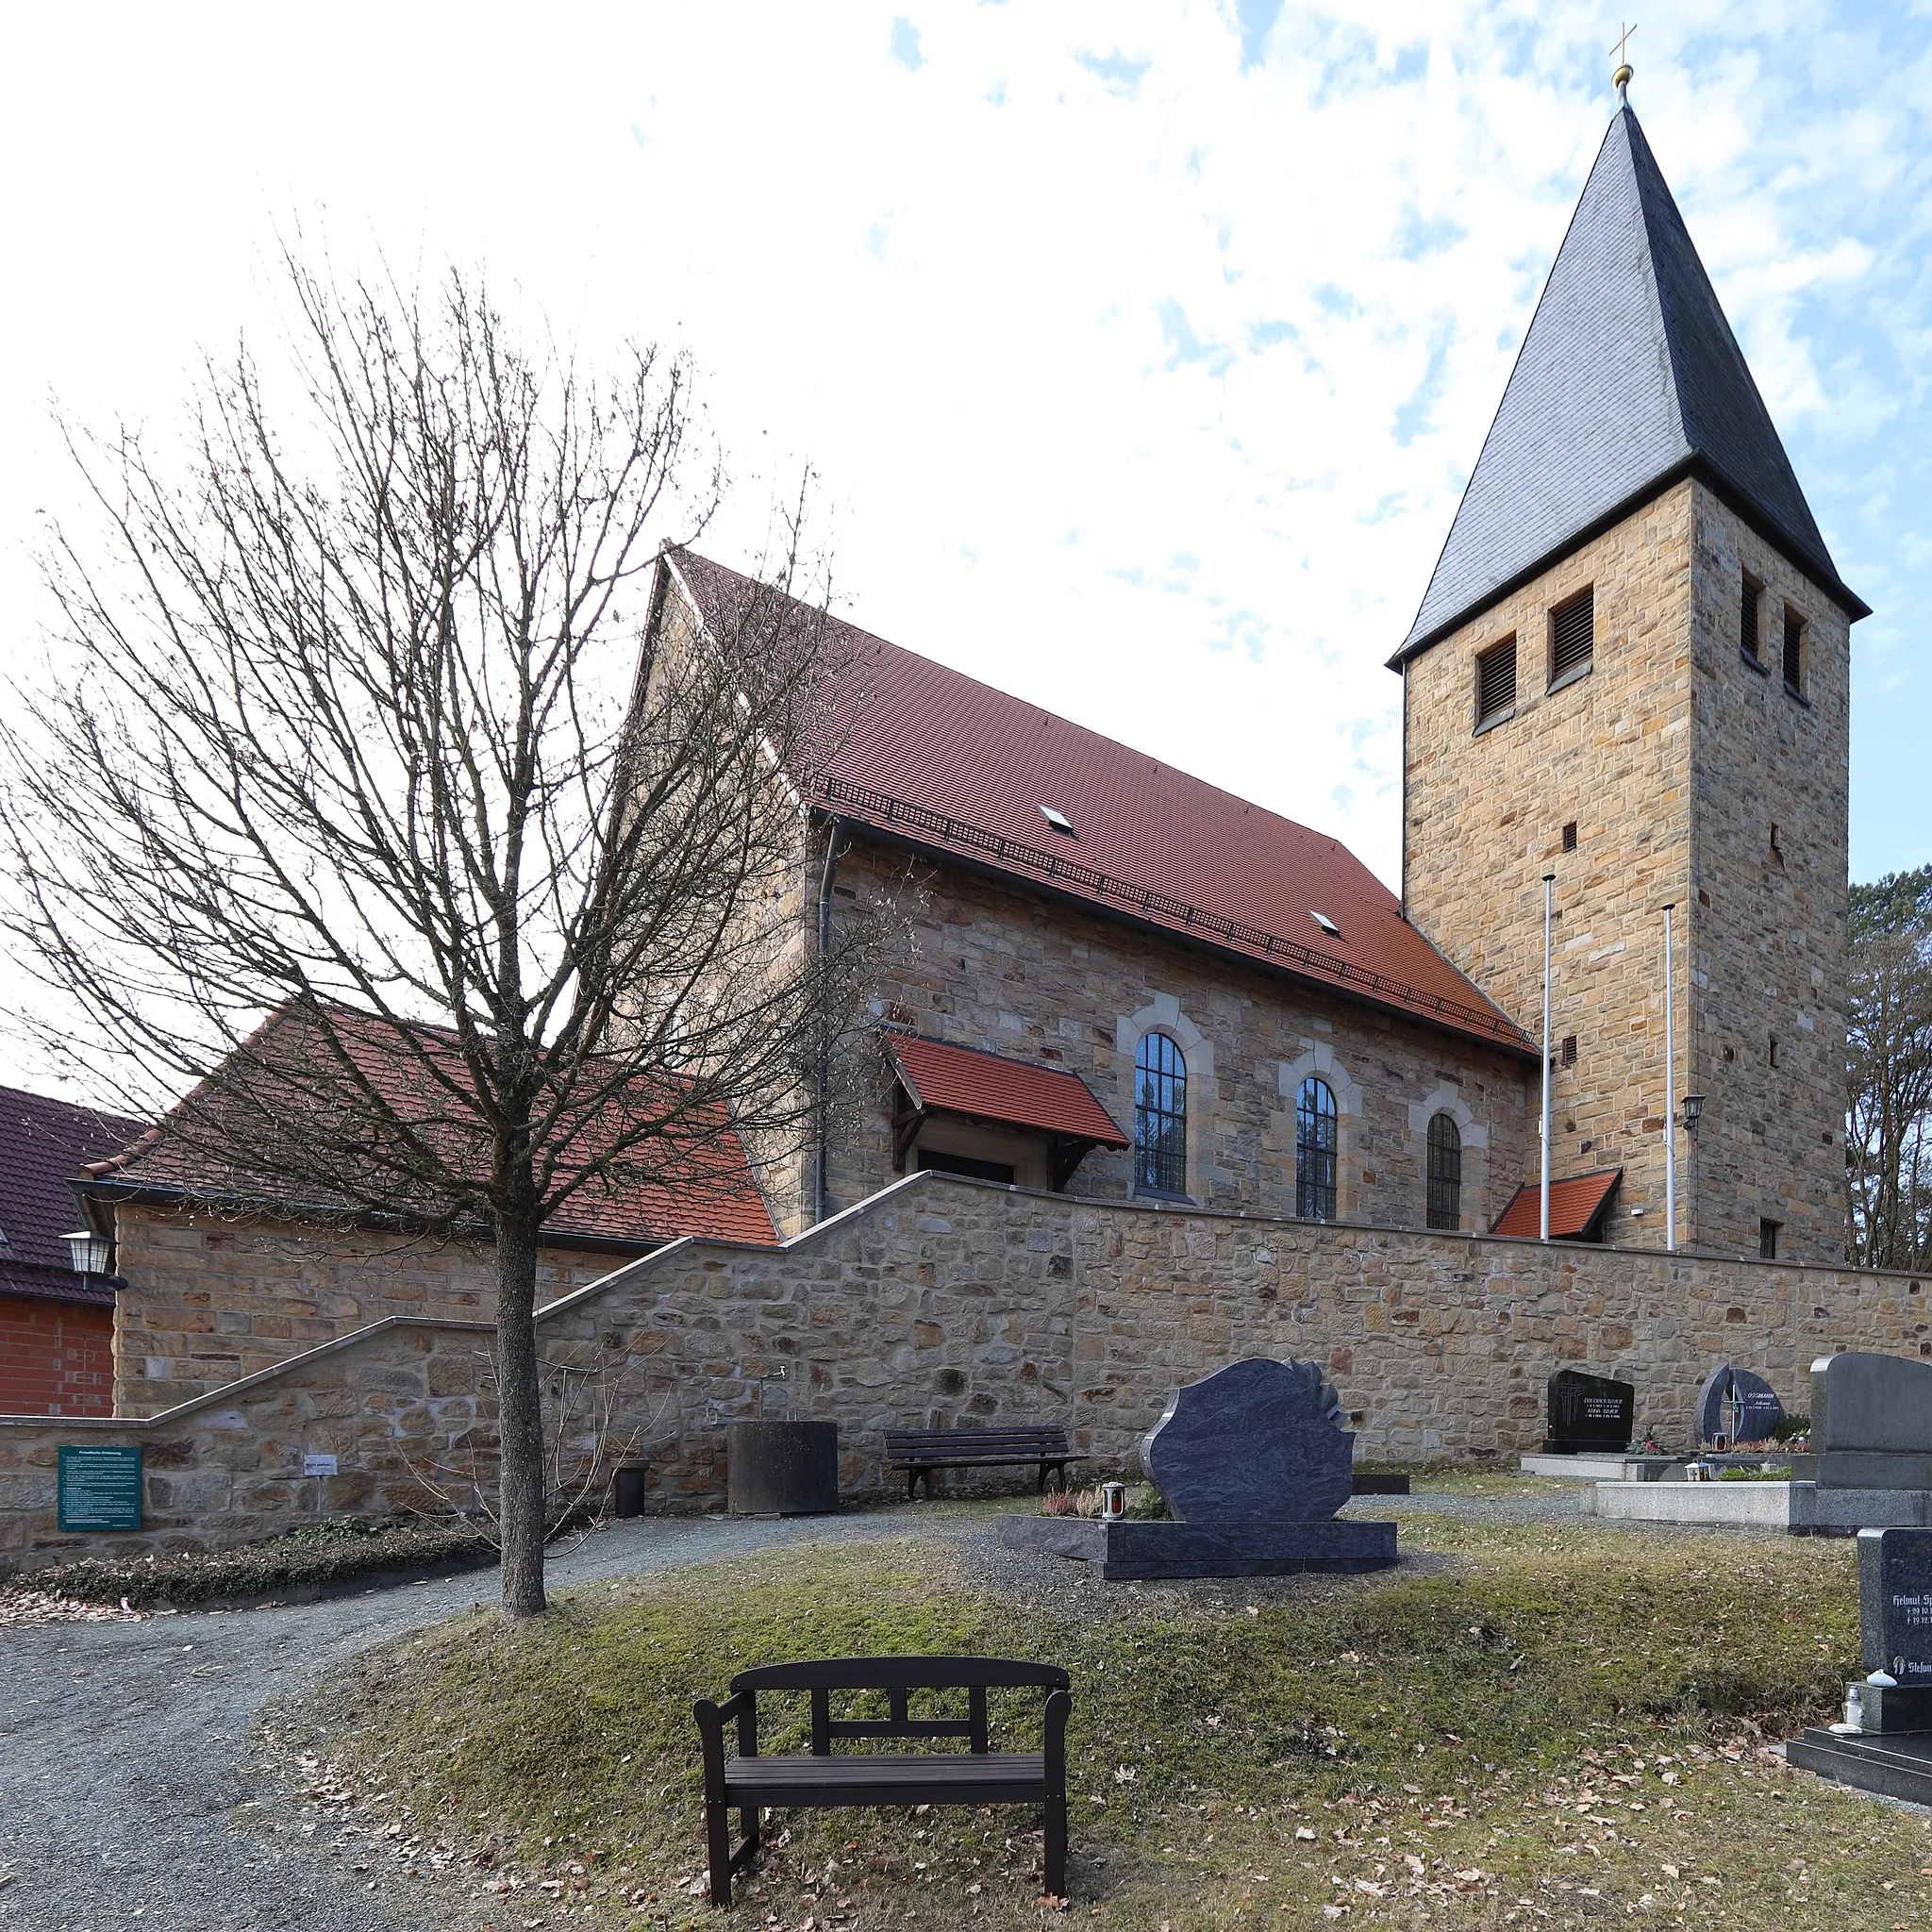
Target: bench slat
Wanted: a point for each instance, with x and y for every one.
(966, 1439)
(952, 1778)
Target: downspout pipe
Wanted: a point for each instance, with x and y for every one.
(835, 848)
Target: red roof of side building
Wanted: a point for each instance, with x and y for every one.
(1577, 1207)
(43, 1144)
(961, 1079)
(951, 765)
(201, 1151)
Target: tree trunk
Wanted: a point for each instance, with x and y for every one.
(520, 1414)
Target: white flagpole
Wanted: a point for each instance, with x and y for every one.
(1670, 1092)
(1549, 883)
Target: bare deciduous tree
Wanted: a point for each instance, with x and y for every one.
(1889, 1074)
(361, 725)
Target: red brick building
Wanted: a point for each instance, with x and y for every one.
(57, 1296)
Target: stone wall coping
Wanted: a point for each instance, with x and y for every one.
(229, 1391)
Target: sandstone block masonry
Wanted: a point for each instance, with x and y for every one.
(991, 966)
(212, 1297)
(1689, 774)
(952, 1302)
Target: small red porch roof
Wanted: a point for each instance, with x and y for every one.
(961, 1079)
(1578, 1207)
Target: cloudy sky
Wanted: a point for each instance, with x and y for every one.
(1143, 350)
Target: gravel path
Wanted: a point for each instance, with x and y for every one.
(125, 1781)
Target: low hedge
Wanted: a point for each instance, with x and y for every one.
(323, 1553)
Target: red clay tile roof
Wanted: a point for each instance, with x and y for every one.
(44, 1144)
(961, 1079)
(200, 1151)
(1576, 1205)
(952, 765)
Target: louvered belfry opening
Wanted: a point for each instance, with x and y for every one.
(1794, 649)
(1495, 681)
(1748, 619)
(1573, 634)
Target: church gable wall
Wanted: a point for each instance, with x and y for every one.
(1610, 752)
(995, 967)
(1768, 915)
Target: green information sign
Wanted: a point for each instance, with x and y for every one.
(100, 1487)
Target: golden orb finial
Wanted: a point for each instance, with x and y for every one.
(1621, 79)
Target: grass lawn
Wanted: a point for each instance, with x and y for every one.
(1537, 1723)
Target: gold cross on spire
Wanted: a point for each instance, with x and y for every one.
(1621, 79)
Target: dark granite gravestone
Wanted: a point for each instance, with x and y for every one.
(1892, 1751)
(1253, 1463)
(1895, 1603)
(1870, 1424)
(1589, 1413)
(1256, 1442)
(1737, 1407)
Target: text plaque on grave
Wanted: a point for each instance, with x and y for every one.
(99, 1485)
(1895, 1601)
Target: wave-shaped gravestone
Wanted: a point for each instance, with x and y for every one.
(1257, 1442)
(1737, 1405)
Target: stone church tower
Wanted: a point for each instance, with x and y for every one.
(1631, 669)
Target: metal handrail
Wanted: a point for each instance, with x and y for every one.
(1162, 906)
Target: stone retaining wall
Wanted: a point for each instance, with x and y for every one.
(211, 1296)
(943, 1301)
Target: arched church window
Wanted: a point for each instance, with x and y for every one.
(1160, 1116)
(1314, 1151)
(1446, 1172)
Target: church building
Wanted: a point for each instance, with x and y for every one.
(1630, 670)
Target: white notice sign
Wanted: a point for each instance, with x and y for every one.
(318, 1465)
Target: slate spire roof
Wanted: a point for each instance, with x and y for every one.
(1628, 379)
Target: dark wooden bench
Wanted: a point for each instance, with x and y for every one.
(918, 1452)
(977, 1776)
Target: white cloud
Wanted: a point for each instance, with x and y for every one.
(1142, 382)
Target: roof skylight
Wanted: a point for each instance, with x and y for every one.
(1327, 924)
(1059, 821)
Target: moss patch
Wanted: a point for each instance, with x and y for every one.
(1562, 1724)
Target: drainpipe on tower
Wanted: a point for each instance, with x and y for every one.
(834, 846)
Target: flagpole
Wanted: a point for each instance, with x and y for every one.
(1669, 1091)
(1549, 883)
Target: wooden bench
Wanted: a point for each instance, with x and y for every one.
(918, 1452)
(977, 1776)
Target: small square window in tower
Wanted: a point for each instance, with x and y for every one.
(1570, 836)
(1496, 683)
(1794, 651)
(1573, 636)
(1748, 612)
(1767, 1240)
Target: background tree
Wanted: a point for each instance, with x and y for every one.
(1888, 1074)
(358, 724)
